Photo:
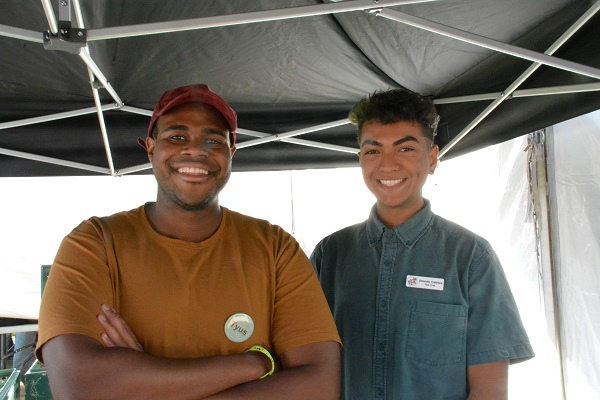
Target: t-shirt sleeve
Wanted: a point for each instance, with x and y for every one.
(301, 312)
(495, 331)
(79, 282)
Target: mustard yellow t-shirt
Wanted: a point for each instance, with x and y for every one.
(177, 296)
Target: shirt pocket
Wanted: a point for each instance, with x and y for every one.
(436, 333)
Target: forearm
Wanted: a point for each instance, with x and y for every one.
(310, 380)
(85, 369)
(488, 381)
(297, 383)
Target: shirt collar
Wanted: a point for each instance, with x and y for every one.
(408, 233)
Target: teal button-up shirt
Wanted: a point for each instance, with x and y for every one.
(405, 337)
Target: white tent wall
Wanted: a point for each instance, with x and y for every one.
(492, 197)
(487, 191)
(574, 182)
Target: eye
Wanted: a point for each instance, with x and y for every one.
(405, 149)
(371, 151)
(216, 140)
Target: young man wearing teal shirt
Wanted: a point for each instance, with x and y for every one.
(422, 305)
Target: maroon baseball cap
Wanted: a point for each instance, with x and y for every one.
(189, 94)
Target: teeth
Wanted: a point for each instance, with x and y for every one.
(391, 183)
(188, 170)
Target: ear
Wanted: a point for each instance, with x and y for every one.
(150, 143)
(434, 151)
(359, 154)
(232, 149)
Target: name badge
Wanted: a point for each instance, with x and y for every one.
(423, 282)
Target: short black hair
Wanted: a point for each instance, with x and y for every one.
(395, 105)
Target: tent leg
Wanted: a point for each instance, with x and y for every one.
(538, 183)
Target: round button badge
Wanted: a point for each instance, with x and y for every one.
(239, 327)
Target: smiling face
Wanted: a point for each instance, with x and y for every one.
(395, 160)
(191, 157)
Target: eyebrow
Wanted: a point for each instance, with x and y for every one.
(396, 143)
(185, 128)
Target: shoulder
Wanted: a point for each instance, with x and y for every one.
(342, 239)
(238, 220)
(111, 223)
(462, 244)
(259, 232)
(454, 232)
(348, 233)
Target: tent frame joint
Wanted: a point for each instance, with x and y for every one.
(67, 39)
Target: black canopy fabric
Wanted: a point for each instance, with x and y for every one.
(291, 69)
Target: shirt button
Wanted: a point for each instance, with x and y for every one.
(381, 347)
(408, 242)
(379, 392)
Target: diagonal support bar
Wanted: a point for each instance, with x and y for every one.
(22, 34)
(490, 43)
(545, 91)
(50, 16)
(84, 54)
(54, 117)
(301, 142)
(94, 88)
(100, 114)
(244, 18)
(56, 161)
(553, 48)
(277, 137)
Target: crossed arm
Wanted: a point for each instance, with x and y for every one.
(80, 367)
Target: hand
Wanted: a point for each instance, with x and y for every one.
(117, 332)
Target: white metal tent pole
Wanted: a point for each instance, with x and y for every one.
(490, 43)
(504, 95)
(85, 56)
(137, 110)
(550, 90)
(50, 160)
(257, 134)
(309, 143)
(243, 18)
(50, 16)
(528, 72)
(276, 137)
(326, 146)
(53, 117)
(301, 142)
(109, 159)
(78, 13)
(135, 168)
(539, 195)
(105, 140)
(19, 33)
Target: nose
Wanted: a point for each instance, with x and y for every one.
(388, 162)
(194, 146)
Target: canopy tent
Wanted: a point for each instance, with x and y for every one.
(78, 78)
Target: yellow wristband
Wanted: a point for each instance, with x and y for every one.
(265, 352)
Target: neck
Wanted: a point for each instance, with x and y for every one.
(191, 226)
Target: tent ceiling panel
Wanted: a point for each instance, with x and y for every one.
(280, 76)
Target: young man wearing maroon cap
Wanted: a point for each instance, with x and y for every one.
(182, 298)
